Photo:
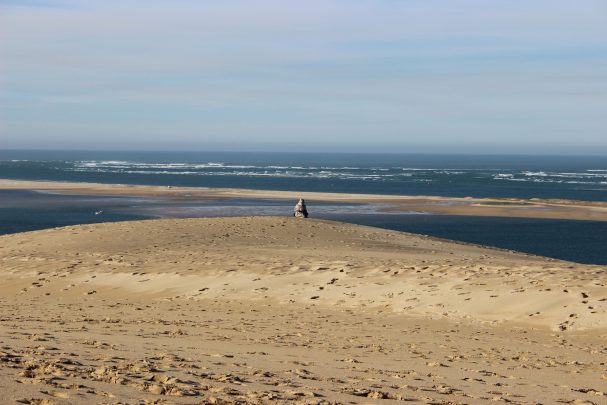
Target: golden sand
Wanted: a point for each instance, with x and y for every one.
(265, 309)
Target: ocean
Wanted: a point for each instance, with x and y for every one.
(579, 178)
(562, 177)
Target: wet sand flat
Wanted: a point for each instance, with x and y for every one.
(266, 309)
(522, 208)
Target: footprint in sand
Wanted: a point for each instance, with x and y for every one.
(56, 394)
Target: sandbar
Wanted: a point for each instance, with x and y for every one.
(470, 206)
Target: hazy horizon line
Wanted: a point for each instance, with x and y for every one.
(573, 154)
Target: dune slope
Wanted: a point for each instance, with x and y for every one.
(278, 309)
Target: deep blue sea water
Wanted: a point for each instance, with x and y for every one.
(581, 178)
(568, 177)
(22, 211)
(576, 241)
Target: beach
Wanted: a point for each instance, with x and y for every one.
(257, 310)
(316, 203)
(468, 206)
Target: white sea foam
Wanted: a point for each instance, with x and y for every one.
(534, 174)
(581, 175)
(564, 174)
(276, 173)
(408, 174)
(127, 165)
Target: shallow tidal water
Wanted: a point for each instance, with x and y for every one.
(578, 241)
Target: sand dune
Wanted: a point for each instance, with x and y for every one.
(264, 309)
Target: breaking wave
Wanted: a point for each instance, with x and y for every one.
(348, 172)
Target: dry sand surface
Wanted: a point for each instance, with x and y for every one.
(256, 310)
(512, 207)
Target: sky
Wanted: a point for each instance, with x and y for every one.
(422, 76)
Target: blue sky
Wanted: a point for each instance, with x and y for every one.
(400, 76)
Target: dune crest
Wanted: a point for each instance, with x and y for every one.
(328, 262)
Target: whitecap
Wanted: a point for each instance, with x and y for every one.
(542, 174)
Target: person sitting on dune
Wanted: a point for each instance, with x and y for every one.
(300, 210)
